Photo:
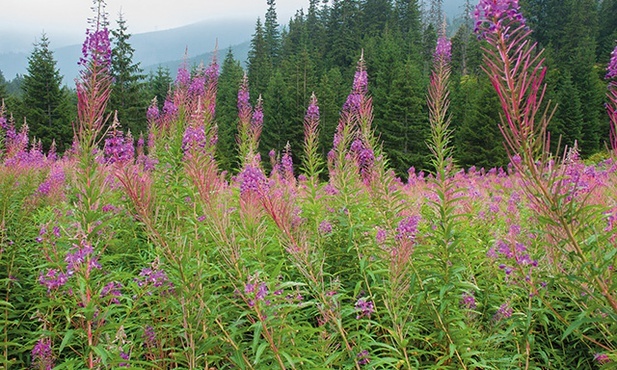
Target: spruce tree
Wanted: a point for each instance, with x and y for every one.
(127, 95)
(259, 63)
(159, 84)
(375, 16)
(272, 36)
(45, 103)
(3, 90)
(227, 111)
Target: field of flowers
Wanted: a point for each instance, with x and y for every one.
(147, 256)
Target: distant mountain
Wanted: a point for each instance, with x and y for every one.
(165, 48)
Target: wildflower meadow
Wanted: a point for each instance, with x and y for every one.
(142, 253)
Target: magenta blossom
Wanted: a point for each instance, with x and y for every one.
(443, 51)
(491, 15)
(611, 70)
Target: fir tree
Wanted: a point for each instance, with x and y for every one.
(375, 16)
(272, 37)
(127, 95)
(45, 103)
(259, 63)
(227, 111)
(3, 90)
(159, 84)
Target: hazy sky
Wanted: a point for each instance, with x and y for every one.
(64, 21)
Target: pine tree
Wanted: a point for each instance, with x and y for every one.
(477, 138)
(259, 63)
(404, 126)
(567, 123)
(331, 94)
(607, 30)
(375, 16)
(272, 36)
(3, 91)
(159, 84)
(227, 111)
(277, 129)
(343, 33)
(44, 103)
(127, 96)
(408, 19)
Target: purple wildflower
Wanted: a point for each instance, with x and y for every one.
(96, 49)
(504, 312)
(312, 112)
(183, 78)
(468, 300)
(124, 356)
(407, 228)
(601, 358)
(325, 227)
(76, 259)
(262, 292)
(363, 358)
(252, 180)
(194, 138)
(243, 97)
(443, 51)
(364, 308)
(153, 111)
(612, 66)
(287, 163)
(149, 337)
(155, 277)
(42, 356)
(491, 15)
(112, 289)
(118, 149)
(53, 279)
(381, 236)
(360, 89)
(169, 109)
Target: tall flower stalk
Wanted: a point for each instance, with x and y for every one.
(611, 106)
(517, 73)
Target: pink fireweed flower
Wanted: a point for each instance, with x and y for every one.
(611, 70)
(325, 227)
(407, 229)
(118, 149)
(96, 48)
(443, 50)
(112, 290)
(364, 308)
(53, 279)
(42, 355)
(312, 112)
(359, 90)
(491, 15)
(244, 107)
(257, 120)
(601, 358)
(363, 358)
(183, 78)
(468, 301)
(153, 113)
(252, 180)
(194, 138)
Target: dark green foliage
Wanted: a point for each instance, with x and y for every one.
(45, 103)
(227, 111)
(3, 91)
(259, 62)
(159, 84)
(127, 96)
(475, 117)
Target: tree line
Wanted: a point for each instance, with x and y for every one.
(316, 51)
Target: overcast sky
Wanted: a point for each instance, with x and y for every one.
(64, 21)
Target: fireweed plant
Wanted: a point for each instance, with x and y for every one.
(566, 205)
(146, 255)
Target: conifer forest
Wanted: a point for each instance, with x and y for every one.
(374, 188)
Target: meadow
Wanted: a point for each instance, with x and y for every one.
(143, 254)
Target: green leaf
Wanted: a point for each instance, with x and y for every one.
(67, 338)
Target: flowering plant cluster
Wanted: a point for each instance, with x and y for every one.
(151, 257)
